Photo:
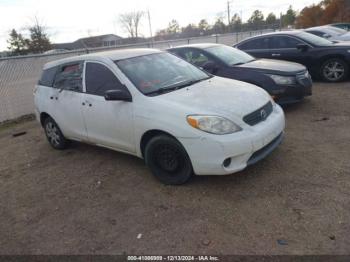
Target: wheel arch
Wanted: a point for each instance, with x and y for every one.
(332, 56)
(43, 116)
(148, 135)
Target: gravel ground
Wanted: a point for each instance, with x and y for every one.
(89, 200)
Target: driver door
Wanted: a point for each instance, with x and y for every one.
(108, 123)
(285, 48)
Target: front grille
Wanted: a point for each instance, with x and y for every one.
(259, 115)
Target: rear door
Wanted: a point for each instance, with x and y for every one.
(258, 47)
(108, 123)
(67, 100)
(44, 92)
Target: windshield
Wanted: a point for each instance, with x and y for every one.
(230, 55)
(315, 40)
(336, 30)
(160, 72)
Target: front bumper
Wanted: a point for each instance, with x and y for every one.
(294, 93)
(243, 148)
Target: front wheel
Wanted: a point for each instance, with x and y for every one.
(168, 160)
(334, 70)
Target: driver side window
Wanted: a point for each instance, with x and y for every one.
(99, 79)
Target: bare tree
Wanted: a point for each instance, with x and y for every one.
(131, 22)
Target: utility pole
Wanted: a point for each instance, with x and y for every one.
(228, 13)
(150, 27)
(241, 20)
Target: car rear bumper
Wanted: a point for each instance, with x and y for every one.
(209, 152)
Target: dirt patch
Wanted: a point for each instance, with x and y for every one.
(89, 200)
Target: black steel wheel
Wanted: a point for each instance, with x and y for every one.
(168, 160)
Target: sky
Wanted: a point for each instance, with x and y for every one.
(68, 20)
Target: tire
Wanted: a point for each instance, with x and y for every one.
(334, 70)
(54, 134)
(168, 160)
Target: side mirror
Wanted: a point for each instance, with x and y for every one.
(210, 67)
(118, 95)
(302, 47)
(327, 36)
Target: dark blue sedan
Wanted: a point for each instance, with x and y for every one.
(324, 59)
(286, 82)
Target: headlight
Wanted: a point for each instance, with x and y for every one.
(283, 80)
(213, 124)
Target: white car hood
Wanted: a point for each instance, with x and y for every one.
(218, 95)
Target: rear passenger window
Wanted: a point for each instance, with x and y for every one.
(260, 43)
(281, 42)
(99, 79)
(69, 77)
(48, 76)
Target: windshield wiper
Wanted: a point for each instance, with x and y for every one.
(177, 86)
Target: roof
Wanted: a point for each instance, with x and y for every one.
(112, 55)
(286, 32)
(202, 46)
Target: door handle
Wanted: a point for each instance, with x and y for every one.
(88, 103)
(276, 54)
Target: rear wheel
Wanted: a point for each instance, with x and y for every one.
(54, 134)
(168, 160)
(334, 70)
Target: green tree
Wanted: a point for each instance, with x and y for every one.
(18, 45)
(271, 19)
(191, 30)
(39, 41)
(236, 22)
(173, 27)
(219, 26)
(256, 20)
(290, 17)
(203, 26)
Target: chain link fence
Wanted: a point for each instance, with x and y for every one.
(18, 75)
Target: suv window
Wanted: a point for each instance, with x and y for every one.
(48, 76)
(281, 42)
(260, 43)
(69, 77)
(99, 79)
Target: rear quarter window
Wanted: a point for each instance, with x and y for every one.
(47, 77)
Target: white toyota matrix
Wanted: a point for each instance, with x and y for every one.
(156, 106)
